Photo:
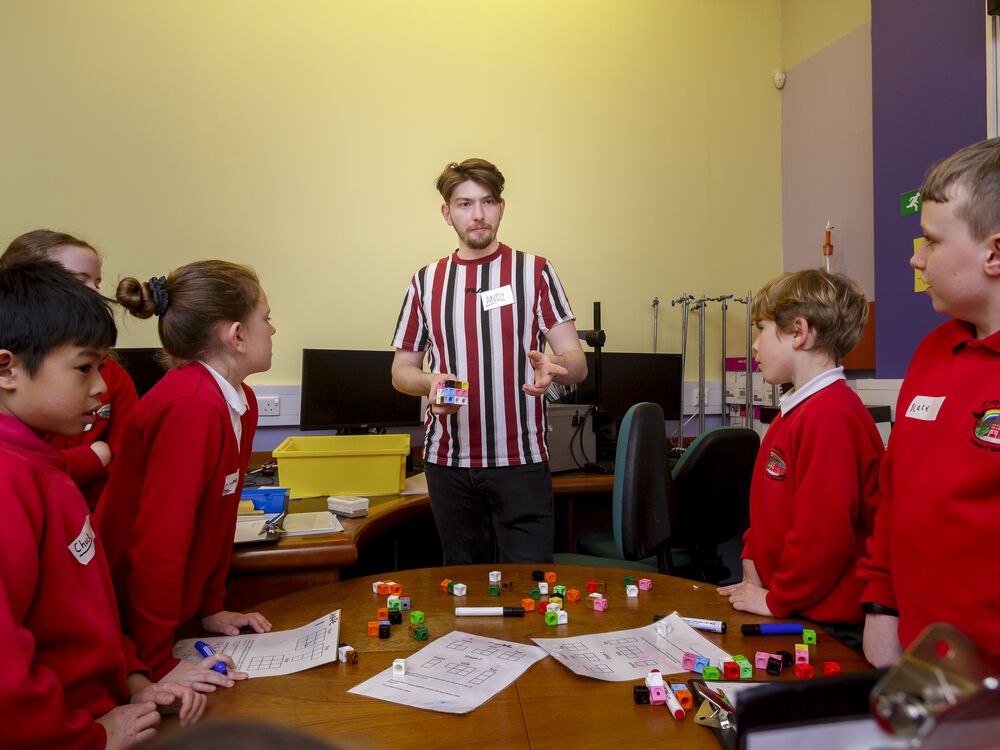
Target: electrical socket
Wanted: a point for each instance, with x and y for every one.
(269, 406)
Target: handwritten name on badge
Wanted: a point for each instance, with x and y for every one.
(231, 481)
(925, 408)
(82, 548)
(497, 298)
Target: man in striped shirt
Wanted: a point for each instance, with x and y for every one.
(484, 315)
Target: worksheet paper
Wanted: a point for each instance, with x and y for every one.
(631, 654)
(280, 652)
(249, 528)
(454, 674)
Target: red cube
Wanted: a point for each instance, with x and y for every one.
(804, 671)
(830, 668)
(731, 670)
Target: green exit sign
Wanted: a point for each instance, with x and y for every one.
(909, 203)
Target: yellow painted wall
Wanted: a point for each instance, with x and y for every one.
(807, 26)
(640, 140)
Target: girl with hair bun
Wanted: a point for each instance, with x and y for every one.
(168, 516)
(86, 457)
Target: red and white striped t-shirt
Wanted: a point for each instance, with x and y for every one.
(443, 315)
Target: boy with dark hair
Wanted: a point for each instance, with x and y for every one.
(931, 558)
(812, 499)
(69, 678)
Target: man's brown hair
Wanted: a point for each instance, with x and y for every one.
(477, 170)
(977, 168)
(833, 305)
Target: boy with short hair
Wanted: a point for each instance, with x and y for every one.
(931, 556)
(69, 679)
(812, 498)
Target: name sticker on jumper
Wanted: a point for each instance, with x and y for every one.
(925, 408)
(497, 298)
(231, 481)
(82, 548)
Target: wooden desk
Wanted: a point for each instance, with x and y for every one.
(548, 707)
(264, 571)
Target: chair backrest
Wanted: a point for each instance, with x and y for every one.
(643, 491)
(712, 486)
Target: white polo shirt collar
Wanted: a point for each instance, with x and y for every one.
(790, 400)
(235, 399)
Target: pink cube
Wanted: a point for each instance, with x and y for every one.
(600, 605)
(760, 659)
(657, 695)
(688, 660)
(645, 584)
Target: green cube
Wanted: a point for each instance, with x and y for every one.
(551, 618)
(451, 587)
(746, 670)
(710, 673)
(559, 591)
(416, 617)
(629, 580)
(494, 589)
(809, 636)
(420, 633)
(395, 604)
(535, 594)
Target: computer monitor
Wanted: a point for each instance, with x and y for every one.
(628, 378)
(351, 389)
(142, 366)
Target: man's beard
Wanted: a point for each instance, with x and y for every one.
(479, 240)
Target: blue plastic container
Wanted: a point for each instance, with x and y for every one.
(266, 499)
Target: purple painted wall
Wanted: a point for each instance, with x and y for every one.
(928, 100)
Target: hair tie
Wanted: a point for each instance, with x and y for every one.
(158, 290)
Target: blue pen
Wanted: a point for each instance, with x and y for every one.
(772, 628)
(205, 650)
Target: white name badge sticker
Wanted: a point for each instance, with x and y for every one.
(231, 481)
(82, 548)
(925, 408)
(497, 298)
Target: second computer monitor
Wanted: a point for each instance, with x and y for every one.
(628, 378)
(352, 389)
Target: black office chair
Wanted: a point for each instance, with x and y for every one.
(642, 496)
(710, 488)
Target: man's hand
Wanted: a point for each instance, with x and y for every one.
(440, 410)
(545, 371)
(881, 640)
(129, 725)
(747, 597)
(229, 623)
(200, 676)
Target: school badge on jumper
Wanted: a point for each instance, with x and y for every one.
(104, 412)
(775, 467)
(987, 429)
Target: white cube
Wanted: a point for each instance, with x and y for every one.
(654, 679)
(494, 576)
(663, 628)
(376, 585)
(398, 667)
(459, 589)
(563, 616)
(631, 591)
(543, 588)
(343, 651)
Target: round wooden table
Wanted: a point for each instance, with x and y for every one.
(548, 707)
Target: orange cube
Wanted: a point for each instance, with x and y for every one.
(373, 627)
(573, 595)
(444, 584)
(383, 614)
(528, 604)
(550, 577)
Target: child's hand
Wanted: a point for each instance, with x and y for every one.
(129, 725)
(103, 451)
(545, 372)
(747, 597)
(200, 676)
(881, 640)
(167, 695)
(229, 623)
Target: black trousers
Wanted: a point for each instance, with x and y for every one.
(515, 501)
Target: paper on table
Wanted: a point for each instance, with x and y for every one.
(280, 652)
(631, 654)
(454, 674)
(248, 528)
(415, 485)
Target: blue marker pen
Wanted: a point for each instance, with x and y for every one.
(772, 628)
(205, 650)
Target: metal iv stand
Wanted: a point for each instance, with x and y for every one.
(685, 302)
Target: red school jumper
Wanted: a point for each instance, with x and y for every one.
(168, 515)
(76, 457)
(933, 553)
(812, 505)
(65, 660)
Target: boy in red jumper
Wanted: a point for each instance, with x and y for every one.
(68, 679)
(86, 457)
(931, 558)
(812, 498)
